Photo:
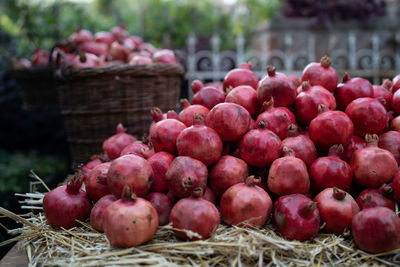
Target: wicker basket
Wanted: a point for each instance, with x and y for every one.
(94, 100)
(38, 89)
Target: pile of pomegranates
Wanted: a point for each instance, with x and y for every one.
(322, 157)
(84, 49)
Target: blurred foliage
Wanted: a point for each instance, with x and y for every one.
(15, 168)
(161, 22)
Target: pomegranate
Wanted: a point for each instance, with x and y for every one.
(85, 60)
(296, 217)
(209, 195)
(241, 76)
(246, 204)
(171, 114)
(259, 147)
(395, 102)
(118, 51)
(199, 142)
(196, 215)
(295, 80)
(354, 144)
(130, 170)
(278, 86)
(391, 142)
(352, 88)
(96, 183)
(114, 145)
(65, 204)
(381, 197)
(140, 60)
(160, 163)
(396, 186)
(164, 133)
(368, 115)
(373, 166)
(226, 172)
(80, 36)
(196, 86)
(119, 32)
(186, 174)
(330, 128)
(130, 221)
(140, 149)
(288, 175)
(331, 171)
(245, 96)
(87, 168)
(163, 206)
(396, 84)
(95, 48)
(165, 56)
(337, 209)
(383, 92)
(104, 37)
(309, 98)
(208, 97)
(231, 121)
(321, 73)
(98, 211)
(277, 119)
(40, 57)
(395, 124)
(376, 230)
(302, 146)
(188, 111)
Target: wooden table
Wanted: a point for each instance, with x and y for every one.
(15, 257)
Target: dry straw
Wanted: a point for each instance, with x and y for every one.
(229, 246)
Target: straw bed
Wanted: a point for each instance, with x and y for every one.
(229, 246)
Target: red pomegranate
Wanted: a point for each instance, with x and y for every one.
(65, 204)
(321, 73)
(277, 119)
(245, 96)
(382, 92)
(163, 206)
(259, 147)
(208, 97)
(196, 215)
(309, 98)
(368, 115)
(391, 142)
(196, 86)
(227, 171)
(165, 56)
(354, 144)
(85, 60)
(396, 83)
(296, 217)
(200, 142)
(95, 48)
(184, 175)
(119, 32)
(164, 133)
(330, 128)
(98, 211)
(395, 184)
(352, 88)
(231, 121)
(80, 36)
(337, 209)
(246, 204)
(241, 76)
(113, 145)
(96, 183)
(331, 171)
(295, 80)
(395, 102)
(188, 111)
(373, 166)
(140, 149)
(104, 37)
(160, 163)
(130, 221)
(376, 230)
(288, 175)
(278, 86)
(130, 170)
(119, 52)
(140, 60)
(381, 197)
(302, 146)
(88, 167)
(210, 196)
(395, 124)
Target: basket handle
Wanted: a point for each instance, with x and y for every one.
(55, 47)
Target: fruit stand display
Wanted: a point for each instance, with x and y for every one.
(300, 171)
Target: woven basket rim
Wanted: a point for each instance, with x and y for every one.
(121, 70)
(21, 72)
